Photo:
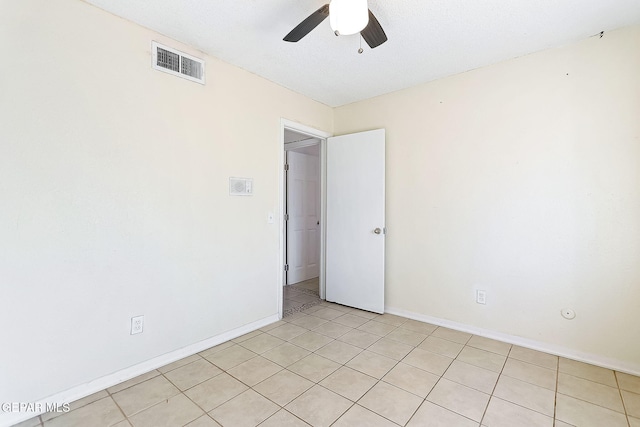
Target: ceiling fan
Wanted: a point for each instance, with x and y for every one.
(346, 17)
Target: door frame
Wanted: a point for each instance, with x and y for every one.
(322, 136)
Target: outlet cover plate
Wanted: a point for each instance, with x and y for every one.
(137, 325)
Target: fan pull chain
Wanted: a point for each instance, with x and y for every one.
(360, 50)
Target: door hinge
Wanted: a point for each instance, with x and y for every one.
(286, 166)
(286, 267)
(286, 217)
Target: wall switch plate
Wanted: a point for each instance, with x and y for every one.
(481, 296)
(137, 325)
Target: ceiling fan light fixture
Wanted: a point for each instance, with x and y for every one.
(348, 16)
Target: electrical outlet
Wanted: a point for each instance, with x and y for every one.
(137, 325)
(481, 296)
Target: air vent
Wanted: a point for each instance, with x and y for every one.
(177, 63)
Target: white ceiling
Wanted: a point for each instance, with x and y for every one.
(428, 39)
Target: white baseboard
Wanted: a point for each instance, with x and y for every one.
(8, 419)
(593, 359)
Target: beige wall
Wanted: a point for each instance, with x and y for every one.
(522, 179)
(114, 193)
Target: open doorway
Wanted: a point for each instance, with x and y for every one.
(356, 212)
(302, 237)
(302, 214)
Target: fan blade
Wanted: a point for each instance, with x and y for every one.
(308, 24)
(373, 33)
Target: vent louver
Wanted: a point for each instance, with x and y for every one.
(177, 63)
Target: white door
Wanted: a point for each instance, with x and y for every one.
(355, 220)
(303, 242)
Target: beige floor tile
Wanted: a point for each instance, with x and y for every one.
(530, 373)
(427, 361)
(123, 423)
(558, 423)
(286, 332)
(283, 418)
(179, 363)
(628, 382)
(248, 409)
(286, 354)
(406, 336)
(31, 422)
(487, 344)
(103, 412)
(377, 328)
(309, 322)
(501, 413)
(349, 383)
(460, 399)
(372, 364)
(203, 421)
(319, 407)
(411, 379)
(366, 314)
(314, 368)
(133, 381)
(327, 313)
(592, 392)
(350, 320)
(262, 343)
(230, 357)
(634, 422)
(534, 357)
(332, 329)
(176, 411)
(245, 337)
(391, 319)
(216, 391)
(472, 376)
(273, 325)
(254, 370)
(295, 316)
(631, 403)
(441, 346)
(419, 327)
(484, 359)
(430, 415)
(283, 387)
(392, 349)
(357, 416)
(339, 351)
(451, 335)
(311, 341)
(88, 399)
(144, 395)
(359, 338)
(588, 372)
(391, 402)
(584, 414)
(530, 396)
(51, 415)
(218, 348)
(345, 309)
(192, 374)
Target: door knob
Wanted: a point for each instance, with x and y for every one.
(377, 230)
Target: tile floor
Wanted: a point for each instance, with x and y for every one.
(300, 296)
(331, 365)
